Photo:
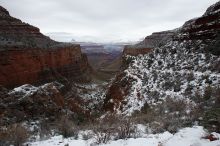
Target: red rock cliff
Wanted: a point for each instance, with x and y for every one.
(27, 56)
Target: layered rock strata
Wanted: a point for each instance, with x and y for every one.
(27, 56)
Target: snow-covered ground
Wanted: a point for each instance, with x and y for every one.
(193, 136)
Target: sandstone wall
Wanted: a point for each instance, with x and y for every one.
(19, 67)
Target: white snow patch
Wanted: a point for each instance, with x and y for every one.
(185, 137)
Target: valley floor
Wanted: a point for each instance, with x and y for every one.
(193, 136)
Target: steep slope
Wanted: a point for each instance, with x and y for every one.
(27, 56)
(184, 65)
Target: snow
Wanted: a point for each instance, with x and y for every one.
(58, 140)
(192, 136)
(27, 90)
(24, 90)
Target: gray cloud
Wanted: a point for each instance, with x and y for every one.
(105, 20)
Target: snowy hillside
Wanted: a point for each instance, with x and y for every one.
(183, 65)
(177, 70)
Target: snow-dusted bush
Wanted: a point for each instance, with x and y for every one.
(169, 115)
(102, 133)
(211, 109)
(126, 129)
(15, 134)
(44, 129)
(67, 128)
(104, 129)
(87, 136)
(114, 127)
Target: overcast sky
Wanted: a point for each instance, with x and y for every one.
(105, 20)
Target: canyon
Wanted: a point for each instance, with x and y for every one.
(105, 59)
(168, 81)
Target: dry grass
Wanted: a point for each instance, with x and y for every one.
(15, 134)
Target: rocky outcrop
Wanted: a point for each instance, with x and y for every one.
(29, 102)
(27, 56)
(203, 28)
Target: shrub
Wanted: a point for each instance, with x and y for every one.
(150, 62)
(17, 134)
(102, 133)
(215, 47)
(126, 129)
(168, 85)
(217, 97)
(145, 117)
(212, 119)
(188, 90)
(104, 129)
(86, 136)
(175, 105)
(67, 128)
(169, 115)
(145, 108)
(44, 130)
(114, 127)
(4, 139)
(190, 77)
(128, 60)
(177, 86)
(207, 93)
